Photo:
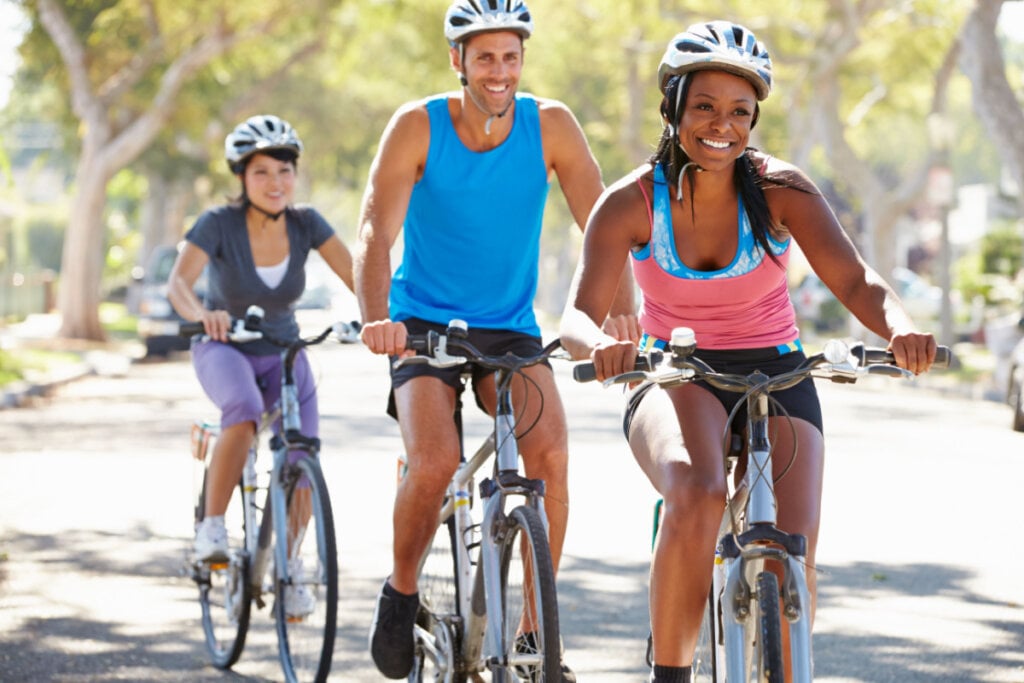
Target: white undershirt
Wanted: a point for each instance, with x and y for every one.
(272, 275)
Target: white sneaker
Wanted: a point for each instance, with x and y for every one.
(211, 544)
(299, 600)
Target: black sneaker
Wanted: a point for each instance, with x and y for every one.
(391, 633)
(527, 642)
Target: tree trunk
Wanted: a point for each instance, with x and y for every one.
(81, 272)
(993, 98)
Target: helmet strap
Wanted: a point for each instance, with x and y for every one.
(271, 216)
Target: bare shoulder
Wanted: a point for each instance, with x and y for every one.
(624, 205)
(555, 114)
(774, 173)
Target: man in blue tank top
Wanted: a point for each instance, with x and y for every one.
(465, 174)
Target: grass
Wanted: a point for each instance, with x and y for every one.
(16, 363)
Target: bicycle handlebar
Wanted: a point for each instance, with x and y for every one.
(838, 362)
(451, 348)
(250, 329)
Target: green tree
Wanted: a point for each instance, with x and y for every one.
(124, 65)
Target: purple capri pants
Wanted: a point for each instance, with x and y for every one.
(243, 387)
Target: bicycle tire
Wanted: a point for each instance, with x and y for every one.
(439, 597)
(306, 639)
(225, 595)
(769, 624)
(531, 645)
(705, 654)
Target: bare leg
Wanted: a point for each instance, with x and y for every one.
(425, 408)
(226, 465)
(691, 480)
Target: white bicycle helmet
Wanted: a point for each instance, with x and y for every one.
(718, 45)
(259, 133)
(469, 17)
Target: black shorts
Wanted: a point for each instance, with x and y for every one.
(488, 342)
(798, 401)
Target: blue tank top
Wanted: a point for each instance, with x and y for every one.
(472, 230)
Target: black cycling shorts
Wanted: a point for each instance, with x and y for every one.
(798, 401)
(488, 342)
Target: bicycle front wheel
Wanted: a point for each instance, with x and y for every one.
(530, 640)
(225, 595)
(769, 636)
(306, 590)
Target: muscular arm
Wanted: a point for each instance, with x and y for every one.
(395, 170)
(568, 154)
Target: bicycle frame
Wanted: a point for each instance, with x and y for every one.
(745, 548)
(296, 498)
(744, 556)
(479, 604)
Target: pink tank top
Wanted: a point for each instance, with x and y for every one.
(745, 305)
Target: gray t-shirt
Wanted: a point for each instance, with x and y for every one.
(233, 283)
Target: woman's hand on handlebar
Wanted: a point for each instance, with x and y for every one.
(385, 337)
(216, 324)
(613, 357)
(913, 351)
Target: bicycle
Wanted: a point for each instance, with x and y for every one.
(273, 548)
(486, 584)
(740, 637)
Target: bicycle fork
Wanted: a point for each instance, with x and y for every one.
(745, 556)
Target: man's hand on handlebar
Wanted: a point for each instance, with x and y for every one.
(386, 337)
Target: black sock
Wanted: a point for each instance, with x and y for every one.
(671, 674)
(393, 592)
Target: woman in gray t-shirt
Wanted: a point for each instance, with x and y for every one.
(254, 250)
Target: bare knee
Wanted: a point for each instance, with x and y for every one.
(429, 475)
(690, 499)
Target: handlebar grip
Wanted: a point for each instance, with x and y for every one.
(645, 362)
(190, 329)
(943, 356)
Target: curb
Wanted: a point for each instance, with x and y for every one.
(17, 394)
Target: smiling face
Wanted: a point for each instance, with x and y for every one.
(492, 64)
(269, 183)
(714, 128)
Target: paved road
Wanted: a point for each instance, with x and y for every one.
(919, 558)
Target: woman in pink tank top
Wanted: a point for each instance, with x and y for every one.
(707, 223)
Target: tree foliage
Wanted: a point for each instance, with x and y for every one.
(855, 80)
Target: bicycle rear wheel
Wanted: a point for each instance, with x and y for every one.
(436, 654)
(225, 595)
(306, 590)
(705, 655)
(769, 635)
(530, 638)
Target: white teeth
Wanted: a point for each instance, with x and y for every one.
(714, 143)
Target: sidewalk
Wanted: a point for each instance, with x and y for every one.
(39, 331)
